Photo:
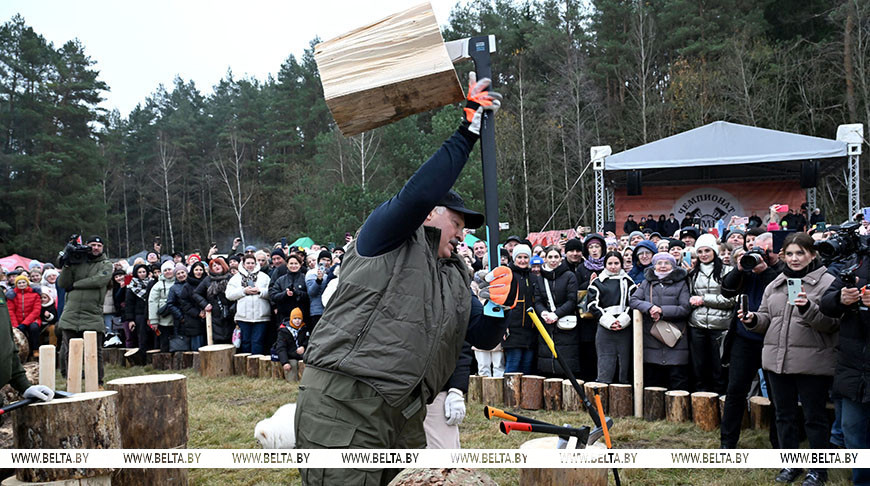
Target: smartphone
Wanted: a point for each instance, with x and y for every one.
(821, 226)
(687, 257)
(322, 268)
(744, 303)
(780, 208)
(744, 220)
(794, 288)
(283, 241)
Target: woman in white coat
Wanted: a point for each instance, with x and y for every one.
(250, 290)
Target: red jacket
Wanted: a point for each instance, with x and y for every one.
(25, 307)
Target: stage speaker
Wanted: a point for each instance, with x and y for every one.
(634, 183)
(809, 174)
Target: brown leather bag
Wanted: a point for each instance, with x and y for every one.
(665, 332)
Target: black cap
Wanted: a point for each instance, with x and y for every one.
(95, 239)
(454, 201)
(690, 231)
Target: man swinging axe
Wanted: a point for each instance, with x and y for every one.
(11, 371)
(391, 335)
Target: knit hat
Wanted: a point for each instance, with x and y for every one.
(23, 276)
(536, 260)
(250, 248)
(708, 241)
(690, 231)
(522, 250)
(573, 245)
(635, 233)
(675, 243)
(193, 258)
(48, 293)
(167, 265)
(279, 252)
(34, 264)
(52, 271)
(95, 239)
(323, 254)
(295, 313)
(593, 237)
(664, 256)
(178, 267)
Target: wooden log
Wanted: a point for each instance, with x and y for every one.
(253, 365)
(21, 344)
(301, 369)
(475, 388)
(705, 410)
(277, 370)
(83, 421)
(621, 400)
(208, 329)
(240, 364)
(590, 387)
(161, 361)
(152, 414)
(102, 480)
(177, 360)
(92, 368)
(47, 365)
(637, 355)
(493, 391)
(563, 476)
(130, 357)
(216, 360)
(114, 356)
(553, 394)
(678, 405)
(265, 367)
(759, 411)
(196, 362)
(570, 399)
(149, 356)
(654, 403)
(187, 358)
(532, 397)
(512, 389)
(292, 375)
(74, 365)
(387, 70)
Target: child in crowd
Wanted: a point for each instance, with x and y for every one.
(292, 339)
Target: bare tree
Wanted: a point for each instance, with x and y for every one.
(366, 147)
(163, 178)
(230, 172)
(643, 36)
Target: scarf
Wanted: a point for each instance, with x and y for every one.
(608, 273)
(814, 264)
(662, 275)
(140, 287)
(594, 264)
(218, 284)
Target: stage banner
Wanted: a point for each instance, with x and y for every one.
(712, 202)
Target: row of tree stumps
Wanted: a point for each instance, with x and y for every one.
(221, 360)
(531, 392)
(137, 412)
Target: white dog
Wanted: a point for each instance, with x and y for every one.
(278, 431)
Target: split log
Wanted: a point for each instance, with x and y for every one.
(253, 364)
(161, 361)
(292, 375)
(152, 414)
(493, 391)
(570, 399)
(512, 389)
(47, 366)
(277, 370)
(92, 366)
(301, 369)
(553, 394)
(532, 397)
(621, 400)
(83, 421)
(759, 411)
(705, 410)
(590, 387)
(130, 357)
(550, 476)
(216, 360)
(654, 403)
(475, 388)
(114, 356)
(265, 367)
(678, 404)
(208, 329)
(177, 360)
(75, 359)
(385, 71)
(240, 364)
(104, 480)
(187, 358)
(637, 363)
(21, 344)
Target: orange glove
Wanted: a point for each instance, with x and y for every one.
(479, 98)
(500, 287)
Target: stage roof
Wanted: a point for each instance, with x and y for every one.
(723, 143)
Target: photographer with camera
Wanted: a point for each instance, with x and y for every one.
(85, 278)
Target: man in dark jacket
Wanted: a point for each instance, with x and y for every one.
(630, 225)
(391, 335)
(670, 227)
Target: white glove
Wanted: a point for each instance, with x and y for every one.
(454, 407)
(39, 392)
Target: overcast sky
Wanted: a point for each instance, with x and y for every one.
(138, 45)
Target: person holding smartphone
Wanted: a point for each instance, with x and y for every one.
(799, 350)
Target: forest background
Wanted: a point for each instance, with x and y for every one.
(262, 158)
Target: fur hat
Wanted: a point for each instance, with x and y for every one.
(708, 241)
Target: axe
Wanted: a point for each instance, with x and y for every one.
(27, 401)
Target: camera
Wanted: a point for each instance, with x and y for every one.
(843, 244)
(752, 258)
(74, 253)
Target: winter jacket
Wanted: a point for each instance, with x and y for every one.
(718, 310)
(83, 304)
(108, 303)
(135, 308)
(315, 290)
(637, 271)
(25, 307)
(288, 340)
(250, 308)
(284, 303)
(158, 313)
(173, 304)
(852, 374)
(609, 297)
(671, 294)
(669, 227)
(521, 331)
(797, 341)
(193, 324)
(119, 298)
(563, 287)
(222, 309)
(11, 371)
(48, 315)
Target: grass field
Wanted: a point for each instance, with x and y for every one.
(223, 413)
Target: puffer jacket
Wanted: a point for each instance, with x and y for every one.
(193, 324)
(671, 294)
(717, 311)
(157, 299)
(795, 341)
(609, 297)
(250, 308)
(285, 304)
(563, 286)
(25, 307)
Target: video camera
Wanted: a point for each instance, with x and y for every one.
(845, 243)
(74, 253)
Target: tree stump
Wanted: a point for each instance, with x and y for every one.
(452, 476)
(563, 476)
(152, 414)
(149, 356)
(21, 344)
(240, 364)
(292, 375)
(654, 403)
(83, 421)
(590, 387)
(277, 370)
(104, 480)
(178, 360)
(493, 391)
(265, 367)
(130, 357)
(570, 399)
(621, 400)
(197, 362)
(161, 361)
(532, 397)
(705, 410)
(475, 388)
(253, 364)
(301, 369)
(512, 389)
(216, 360)
(553, 394)
(678, 404)
(759, 411)
(187, 358)
(114, 356)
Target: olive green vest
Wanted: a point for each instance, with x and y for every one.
(397, 320)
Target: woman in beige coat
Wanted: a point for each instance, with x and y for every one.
(799, 350)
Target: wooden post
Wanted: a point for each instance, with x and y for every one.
(678, 405)
(47, 365)
(570, 399)
(216, 360)
(637, 347)
(152, 414)
(705, 410)
(475, 388)
(208, 329)
(74, 365)
(265, 367)
(161, 361)
(253, 365)
(653, 403)
(532, 397)
(590, 387)
(621, 400)
(292, 375)
(512, 389)
(240, 364)
(493, 391)
(84, 421)
(759, 411)
(553, 394)
(92, 366)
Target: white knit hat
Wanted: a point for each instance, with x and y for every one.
(522, 250)
(709, 241)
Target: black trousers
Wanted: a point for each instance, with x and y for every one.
(812, 391)
(588, 361)
(745, 362)
(707, 372)
(672, 377)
